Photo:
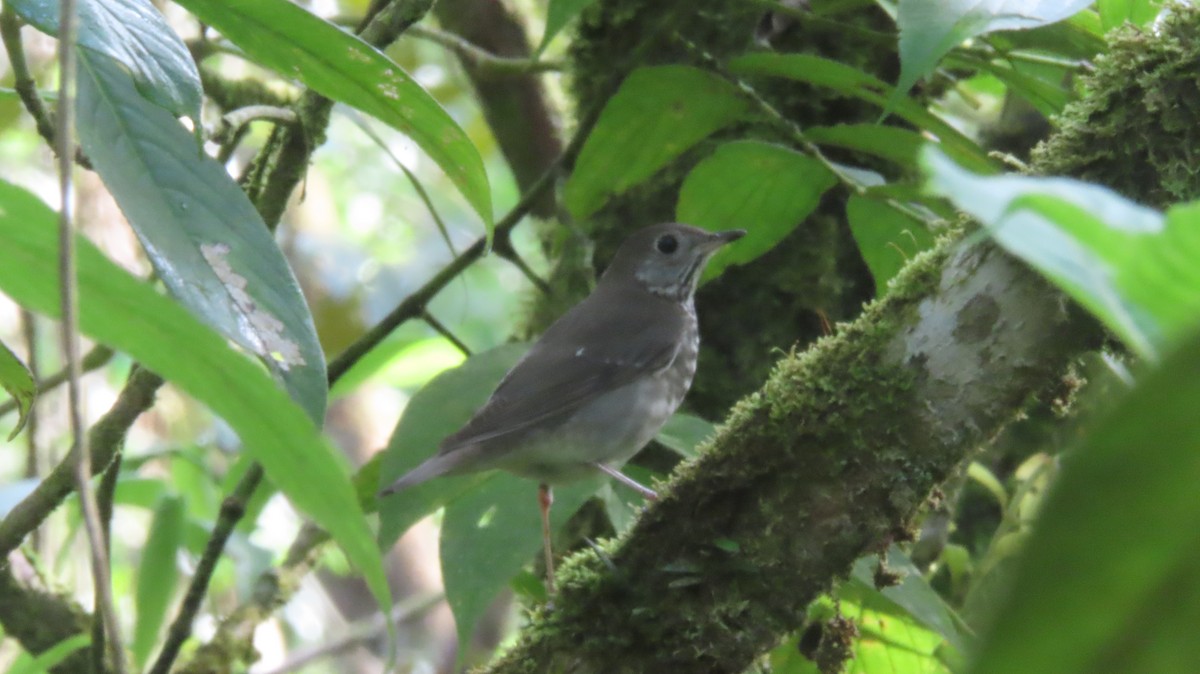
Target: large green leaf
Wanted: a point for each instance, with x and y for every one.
(931, 28)
(854, 82)
(893, 143)
(134, 33)
(120, 311)
(16, 379)
(490, 533)
(441, 407)
(766, 189)
(886, 237)
(157, 574)
(656, 115)
(1133, 268)
(206, 241)
(1108, 583)
(289, 39)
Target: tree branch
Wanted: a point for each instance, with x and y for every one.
(105, 438)
(232, 511)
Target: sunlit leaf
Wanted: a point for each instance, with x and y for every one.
(887, 238)
(204, 237)
(291, 40)
(118, 310)
(1114, 13)
(858, 84)
(1127, 264)
(931, 28)
(656, 115)
(766, 189)
(911, 594)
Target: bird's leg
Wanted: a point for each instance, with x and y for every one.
(646, 492)
(545, 499)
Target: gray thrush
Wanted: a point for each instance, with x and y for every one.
(600, 382)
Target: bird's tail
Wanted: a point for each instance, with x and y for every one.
(434, 466)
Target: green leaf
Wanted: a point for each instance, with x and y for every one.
(558, 13)
(441, 407)
(289, 39)
(890, 641)
(157, 574)
(888, 142)
(718, 194)
(1114, 13)
(401, 364)
(931, 28)
(657, 114)
(120, 311)
(50, 657)
(853, 82)
(206, 241)
(683, 433)
(912, 595)
(490, 533)
(1108, 581)
(134, 33)
(18, 381)
(886, 237)
(1127, 264)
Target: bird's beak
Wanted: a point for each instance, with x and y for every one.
(718, 239)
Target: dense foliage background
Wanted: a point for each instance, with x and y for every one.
(944, 418)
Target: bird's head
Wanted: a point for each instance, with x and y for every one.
(667, 259)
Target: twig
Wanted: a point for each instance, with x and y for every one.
(232, 511)
(95, 359)
(442, 330)
(481, 57)
(104, 438)
(505, 250)
(104, 499)
(363, 631)
(33, 466)
(10, 30)
(793, 129)
(412, 306)
(64, 135)
(234, 120)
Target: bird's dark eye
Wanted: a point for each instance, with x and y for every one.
(666, 244)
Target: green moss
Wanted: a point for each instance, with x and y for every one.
(1136, 130)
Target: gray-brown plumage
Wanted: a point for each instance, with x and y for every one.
(603, 379)
(600, 382)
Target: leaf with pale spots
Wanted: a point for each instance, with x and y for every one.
(203, 236)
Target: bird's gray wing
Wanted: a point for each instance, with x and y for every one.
(605, 342)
